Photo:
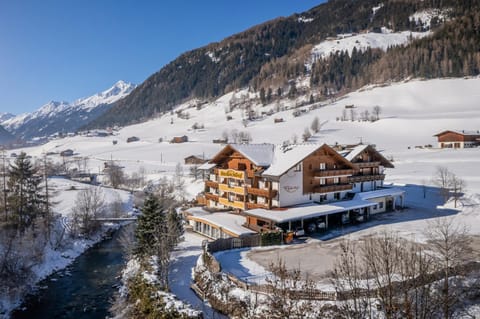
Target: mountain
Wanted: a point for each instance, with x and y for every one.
(64, 117)
(5, 136)
(279, 55)
(5, 116)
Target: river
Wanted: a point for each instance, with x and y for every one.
(86, 288)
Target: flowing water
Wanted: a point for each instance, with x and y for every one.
(86, 288)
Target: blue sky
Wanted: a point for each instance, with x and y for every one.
(64, 50)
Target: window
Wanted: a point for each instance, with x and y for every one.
(242, 166)
(336, 180)
(380, 205)
(323, 166)
(336, 196)
(323, 197)
(298, 167)
(322, 181)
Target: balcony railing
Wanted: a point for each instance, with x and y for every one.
(332, 188)
(366, 178)
(211, 184)
(256, 205)
(234, 189)
(333, 172)
(262, 192)
(211, 197)
(367, 164)
(234, 204)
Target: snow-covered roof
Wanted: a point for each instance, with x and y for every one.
(461, 132)
(229, 222)
(308, 211)
(259, 154)
(355, 151)
(379, 193)
(207, 166)
(285, 157)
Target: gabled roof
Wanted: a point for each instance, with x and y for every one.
(287, 157)
(258, 154)
(357, 150)
(461, 132)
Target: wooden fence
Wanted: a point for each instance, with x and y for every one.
(233, 243)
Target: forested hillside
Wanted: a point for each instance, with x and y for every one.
(271, 56)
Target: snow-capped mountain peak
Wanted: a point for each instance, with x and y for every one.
(5, 116)
(118, 91)
(63, 116)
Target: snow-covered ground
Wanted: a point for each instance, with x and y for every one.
(346, 42)
(411, 113)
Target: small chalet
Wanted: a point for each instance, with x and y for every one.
(195, 160)
(458, 139)
(179, 139)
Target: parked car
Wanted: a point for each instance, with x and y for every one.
(299, 231)
(321, 225)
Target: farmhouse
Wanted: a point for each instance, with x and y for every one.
(458, 139)
(290, 186)
(195, 160)
(179, 139)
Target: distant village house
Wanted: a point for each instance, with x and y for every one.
(195, 160)
(179, 139)
(458, 139)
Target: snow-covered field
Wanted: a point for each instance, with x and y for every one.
(411, 113)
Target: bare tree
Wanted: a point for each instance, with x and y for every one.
(449, 184)
(353, 114)
(89, 205)
(315, 126)
(306, 134)
(115, 174)
(377, 110)
(457, 187)
(450, 242)
(349, 277)
(225, 136)
(284, 299)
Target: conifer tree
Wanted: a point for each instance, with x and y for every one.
(24, 200)
(149, 222)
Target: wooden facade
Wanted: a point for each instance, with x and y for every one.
(324, 175)
(458, 139)
(235, 183)
(326, 171)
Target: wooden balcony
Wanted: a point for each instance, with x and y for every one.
(262, 192)
(211, 184)
(367, 164)
(234, 204)
(333, 172)
(210, 196)
(256, 205)
(366, 178)
(332, 188)
(234, 189)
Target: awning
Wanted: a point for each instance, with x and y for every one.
(206, 166)
(308, 211)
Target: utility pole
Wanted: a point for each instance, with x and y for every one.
(4, 174)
